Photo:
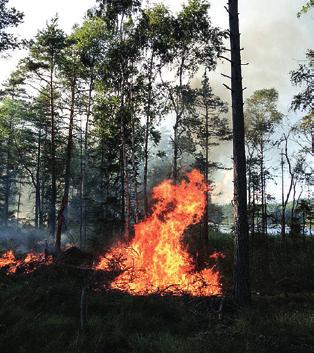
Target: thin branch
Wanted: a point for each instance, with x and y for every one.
(223, 57)
(227, 76)
(227, 87)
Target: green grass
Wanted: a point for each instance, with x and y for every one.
(41, 312)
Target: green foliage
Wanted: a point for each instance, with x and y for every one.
(302, 77)
(261, 115)
(261, 119)
(12, 133)
(9, 17)
(306, 8)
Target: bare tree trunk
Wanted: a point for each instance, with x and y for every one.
(283, 208)
(175, 154)
(262, 189)
(38, 215)
(294, 201)
(104, 186)
(134, 172)
(241, 253)
(43, 187)
(253, 214)
(145, 179)
(125, 176)
(84, 166)
(7, 186)
(292, 176)
(53, 197)
(179, 111)
(19, 203)
(147, 128)
(81, 184)
(206, 213)
(122, 189)
(65, 198)
(250, 192)
(126, 189)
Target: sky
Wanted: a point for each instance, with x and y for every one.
(274, 41)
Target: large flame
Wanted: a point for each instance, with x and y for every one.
(28, 264)
(155, 260)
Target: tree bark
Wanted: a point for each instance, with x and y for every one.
(135, 183)
(126, 187)
(262, 180)
(38, 215)
(147, 128)
(241, 253)
(292, 176)
(84, 166)
(53, 197)
(179, 112)
(65, 198)
(7, 186)
(125, 175)
(19, 203)
(283, 204)
(175, 154)
(253, 213)
(206, 213)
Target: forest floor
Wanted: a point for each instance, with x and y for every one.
(40, 312)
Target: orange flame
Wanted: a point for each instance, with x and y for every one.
(29, 264)
(155, 260)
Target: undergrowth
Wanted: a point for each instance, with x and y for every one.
(40, 312)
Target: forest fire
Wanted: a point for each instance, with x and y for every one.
(155, 260)
(29, 264)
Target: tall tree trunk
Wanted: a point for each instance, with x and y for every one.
(250, 188)
(53, 196)
(262, 189)
(135, 185)
(122, 189)
(253, 213)
(291, 173)
(81, 185)
(250, 193)
(294, 201)
(125, 175)
(38, 215)
(147, 129)
(7, 185)
(283, 205)
(126, 188)
(19, 203)
(65, 198)
(84, 162)
(241, 253)
(178, 106)
(103, 186)
(45, 181)
(206, 213)
(175, 154)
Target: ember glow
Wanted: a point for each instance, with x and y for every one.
(30, 263)
(155, 260)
